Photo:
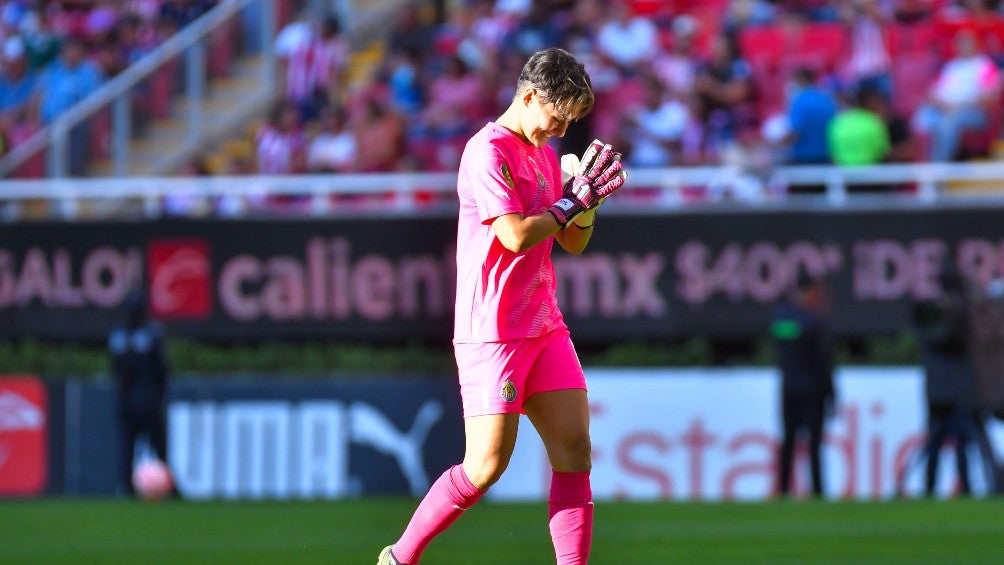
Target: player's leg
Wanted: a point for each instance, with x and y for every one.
(156, 429)
(490, 441)
(959, 431)
(786, 452)
(492, 377)
(815, 415)
(936, 431)
(558, 407)
(128, 432)
(561, 417)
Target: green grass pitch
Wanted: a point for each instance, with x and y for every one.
(82, 531)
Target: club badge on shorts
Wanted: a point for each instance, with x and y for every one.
(508, 391)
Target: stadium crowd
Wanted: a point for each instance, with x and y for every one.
(678, 82)
(681, 82)
(54, 53)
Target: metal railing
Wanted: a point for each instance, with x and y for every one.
(191, 42)
(664, 190)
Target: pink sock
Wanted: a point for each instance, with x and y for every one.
(449, 496)
(571, 516)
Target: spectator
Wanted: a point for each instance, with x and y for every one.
(959, 100)
(312, 61)
(488, 30)
(747, 13)
(280, 144)
(979, 18)
(627, 40)
(41, 39)
(724, 94)
(333, 149)
(655, 129)
(331, 59)
(134, 38)
(410, 33)
(180, 13)
(902, 145)
(858, 135)
(535, 31)
(677, 67)
(870, 64)
(404, 84)
(809, 114)
(17, 81)
(455, 102)
(380, 137)
(65, 82)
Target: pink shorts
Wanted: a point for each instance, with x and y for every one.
(498, 377)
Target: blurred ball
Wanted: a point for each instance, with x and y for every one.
(152, 480)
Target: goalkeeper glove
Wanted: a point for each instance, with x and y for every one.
(601, 165)
(578, 197)
(588, 181)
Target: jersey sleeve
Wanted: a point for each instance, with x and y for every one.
(494, 189)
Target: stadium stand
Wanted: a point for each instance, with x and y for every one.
(391, 69)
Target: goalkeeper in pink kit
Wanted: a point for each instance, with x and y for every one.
(513, 350)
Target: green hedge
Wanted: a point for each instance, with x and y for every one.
(61, 360)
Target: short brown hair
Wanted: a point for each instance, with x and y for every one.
(560, 79)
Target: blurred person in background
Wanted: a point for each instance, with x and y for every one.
(312, 57)
(513, 350)
(333, 148)
(180, 13)
(404, 84)
(811, 108)
(960, 100)
(858, 135)
(800, 330)
(724, 92)
(534, 32)
(456, 102)
(140, 370)
(870, 64)
(380, 137)
(626, 40)
(281, 144)
(411, 32)
(281, 149)
(654, 130)
(17, 81)
(677, 66)
(943, 330)
(63, 83)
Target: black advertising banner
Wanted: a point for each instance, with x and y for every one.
(274, 438)
(650, 276)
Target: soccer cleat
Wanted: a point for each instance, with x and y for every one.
(387, 558)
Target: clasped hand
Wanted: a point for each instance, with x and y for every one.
(598, 175)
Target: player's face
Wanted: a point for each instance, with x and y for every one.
(545, 121)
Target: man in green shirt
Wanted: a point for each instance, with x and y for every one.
(857, 135)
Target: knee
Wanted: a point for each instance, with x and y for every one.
(573, 455)
(484, 471)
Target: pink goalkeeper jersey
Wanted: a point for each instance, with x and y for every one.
(503, 295)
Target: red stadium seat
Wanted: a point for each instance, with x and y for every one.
(826, 43)
(915, 38)
(912, 76)
(762, 46)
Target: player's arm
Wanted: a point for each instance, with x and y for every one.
(575, 237)
(517, 233)
(588, 181)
